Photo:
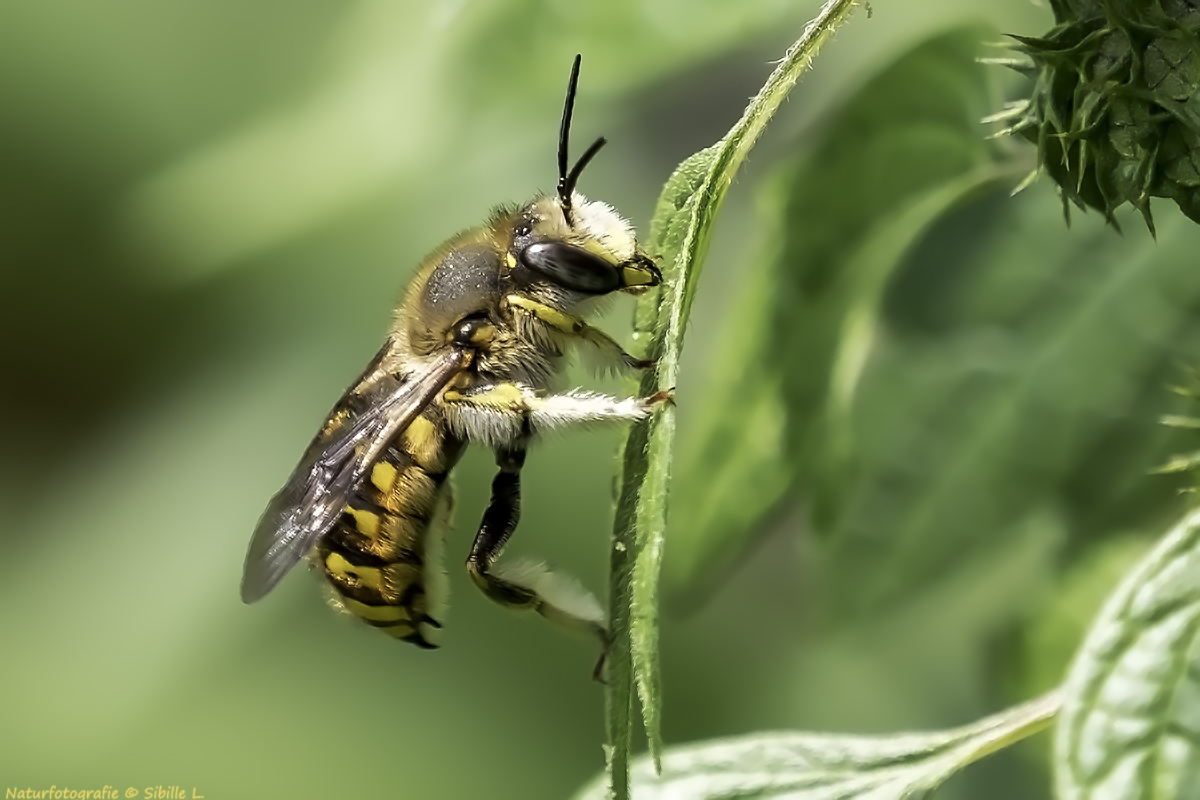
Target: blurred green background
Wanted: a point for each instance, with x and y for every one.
(208, 210)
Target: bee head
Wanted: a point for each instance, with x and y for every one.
(579, 245)
(558, 250)
(596, 254)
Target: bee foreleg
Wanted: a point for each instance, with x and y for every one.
(525, 584)
(573, 326)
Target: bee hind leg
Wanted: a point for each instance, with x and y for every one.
(526, 584)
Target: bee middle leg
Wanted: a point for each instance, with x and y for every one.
(526, 585)
(502, 413)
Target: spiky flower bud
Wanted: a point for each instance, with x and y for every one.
(1115, 107)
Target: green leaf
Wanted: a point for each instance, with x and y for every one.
(679, 236)
(905, 147)
(1130, 723)
(812, 766)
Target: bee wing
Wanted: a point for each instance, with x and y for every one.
(330, 473)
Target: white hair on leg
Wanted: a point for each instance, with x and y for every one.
(561, 598)
(581, 407)
(480, 419)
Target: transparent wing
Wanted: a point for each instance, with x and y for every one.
(331, 471)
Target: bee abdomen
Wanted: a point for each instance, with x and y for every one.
(385, 552)
(391, 597)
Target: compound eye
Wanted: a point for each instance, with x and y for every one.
(572, 267)
(473, 332)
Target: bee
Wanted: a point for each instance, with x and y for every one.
(473, 355)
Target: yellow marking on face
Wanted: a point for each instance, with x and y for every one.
(551, 316)
(510, 260)
(369, 577)
(637, 276)
(376, 613)
(383, 476)
(424, 443)
(366, 522)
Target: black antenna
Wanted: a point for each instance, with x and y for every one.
(567, 181)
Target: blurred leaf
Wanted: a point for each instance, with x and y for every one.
(905, 147)
(997, 375)
(810, 766)
(1050, 637)
(1131, 703)
(874, 263)
(399, 84)
(1112, 491)
(626, 42)
(1181, 463)
(679, 237)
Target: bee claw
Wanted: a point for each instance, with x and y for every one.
(598, 671)
(665, 396)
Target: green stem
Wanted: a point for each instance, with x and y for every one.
(680, 235)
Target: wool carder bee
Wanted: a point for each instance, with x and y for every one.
(473, 355)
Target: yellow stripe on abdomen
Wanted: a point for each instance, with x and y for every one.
(376, 555)
(373, 613)
(383, 476)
